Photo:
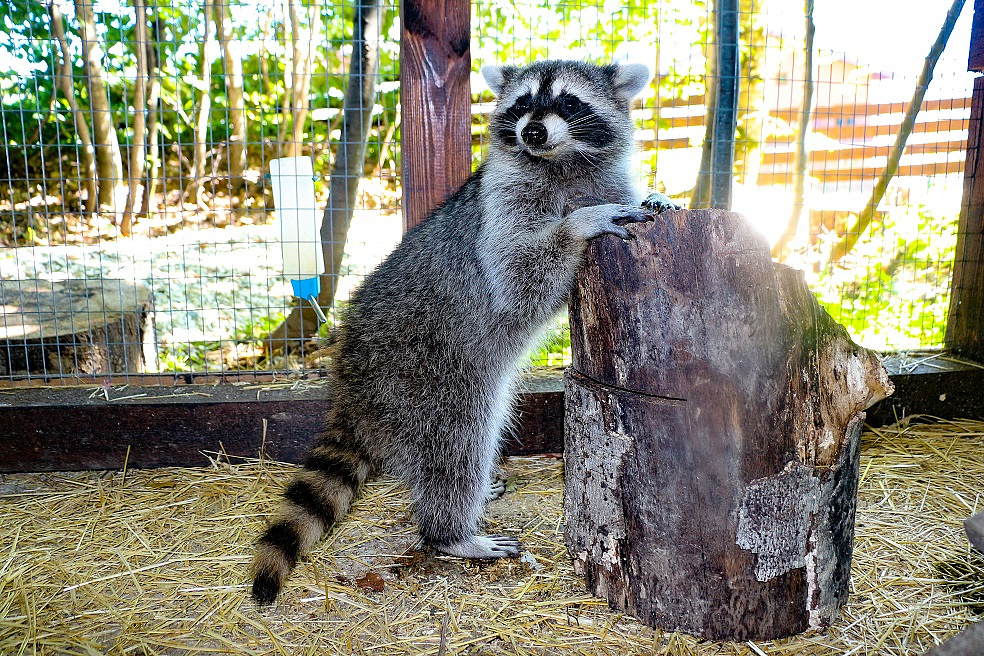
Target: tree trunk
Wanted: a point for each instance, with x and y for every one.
(303, 61)
(264, 64)
(153, 110)
(713, 418)
(286, 112)
(64, 82)
(204, 108)
(700, 198)
(138, 146)
(802, 161)
(346, 171)
(109, 160)
(236, 106)
(714, 179)
(847, 242)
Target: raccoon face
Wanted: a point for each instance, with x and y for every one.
(564, 110)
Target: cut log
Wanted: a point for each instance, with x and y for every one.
(75, 327)
(713, 418)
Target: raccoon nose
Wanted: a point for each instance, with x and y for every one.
(535, 134)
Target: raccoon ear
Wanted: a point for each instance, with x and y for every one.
(497, 77)
(630, 79)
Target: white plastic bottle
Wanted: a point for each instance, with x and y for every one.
(299, 221)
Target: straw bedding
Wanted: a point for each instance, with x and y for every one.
(154, 562)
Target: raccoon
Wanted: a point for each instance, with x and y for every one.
(430, 344)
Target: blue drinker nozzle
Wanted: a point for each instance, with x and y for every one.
(308, 289)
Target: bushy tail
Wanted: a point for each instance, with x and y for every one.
(318, 496)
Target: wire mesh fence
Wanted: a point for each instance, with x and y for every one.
(139, 226)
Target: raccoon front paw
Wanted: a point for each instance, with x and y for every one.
(482, 547)
(597, 220)
(659, 203)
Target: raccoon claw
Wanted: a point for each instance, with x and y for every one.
(482, 547)
(637, 216)
(659, 203)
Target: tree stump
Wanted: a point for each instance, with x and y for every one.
(75, 327)
(713, 418)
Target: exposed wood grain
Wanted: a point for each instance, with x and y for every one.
(713, 417)
(965, 324)
(435, 101)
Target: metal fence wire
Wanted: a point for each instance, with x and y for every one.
(145, 145)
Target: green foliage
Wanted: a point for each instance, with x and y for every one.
(555, 347)
(893, 292)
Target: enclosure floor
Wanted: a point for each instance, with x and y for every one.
(155, 562)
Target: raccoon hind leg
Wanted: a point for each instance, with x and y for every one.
(452, 486)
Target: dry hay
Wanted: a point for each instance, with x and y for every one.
(151, 562)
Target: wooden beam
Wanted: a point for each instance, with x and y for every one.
(965, 324)
(435, 100)
(975, 62)
(67, 428)
(70, 428)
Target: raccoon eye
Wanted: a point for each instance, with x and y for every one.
(522, 105)
(568, 105)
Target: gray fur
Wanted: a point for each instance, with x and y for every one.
(431, 343)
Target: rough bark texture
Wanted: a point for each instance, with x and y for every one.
(76, 327)
(713, 413)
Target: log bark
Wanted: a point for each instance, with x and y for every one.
(713, 417)
(75, 328)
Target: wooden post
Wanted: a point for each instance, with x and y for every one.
(965, 324)
(713, 416)
(435, 101)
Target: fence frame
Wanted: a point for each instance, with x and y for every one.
(65, 428)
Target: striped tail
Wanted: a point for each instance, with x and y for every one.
(318, 497)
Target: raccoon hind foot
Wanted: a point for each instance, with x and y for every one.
(497, 486)
(484, 547)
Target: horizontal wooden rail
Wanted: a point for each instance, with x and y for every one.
(70, 428)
